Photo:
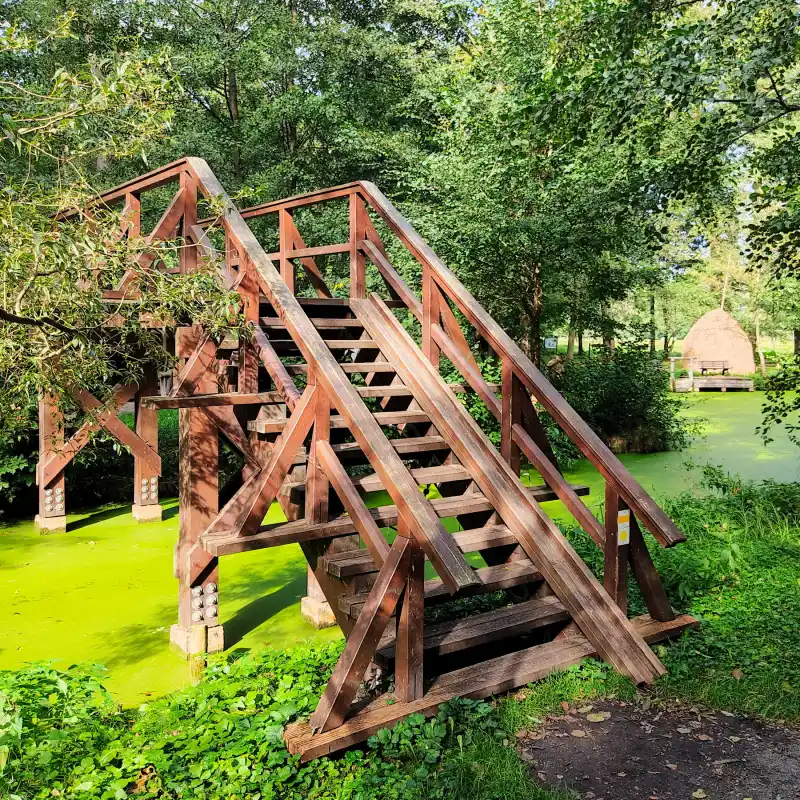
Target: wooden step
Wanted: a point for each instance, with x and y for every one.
(335, 323)
(284, 346)
(456, 635)
(501, 674)
(404, 391)
(408, 445)
(349, 367)
(337, 421)
(385, 516)
(424, 476)
(358, 562)
(492, 579)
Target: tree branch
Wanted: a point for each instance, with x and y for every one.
(42, 322)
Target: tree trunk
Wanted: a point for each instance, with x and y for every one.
(724, 291)
(232, 97)
(652, 322)
(797, 341)
(758, 348)
(534, 309)
(571, 345)
(580, 342)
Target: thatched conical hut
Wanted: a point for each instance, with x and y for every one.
(717, 336)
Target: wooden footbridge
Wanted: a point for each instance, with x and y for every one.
(331, 397)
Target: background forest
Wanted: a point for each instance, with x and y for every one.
(603, 171)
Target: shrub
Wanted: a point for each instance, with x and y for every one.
(624, 396)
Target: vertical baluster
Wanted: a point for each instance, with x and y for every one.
(511, 415)
(358, 232)
(431, 313)
(617, 548)
(52, 496)
(132, 215)
(145, 479)
(410, 636)
(285, 244)
(316, 480)
(188, 257)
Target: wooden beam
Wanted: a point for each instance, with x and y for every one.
(410, 636)
(217, 399)
(615, 563)
(363, 640)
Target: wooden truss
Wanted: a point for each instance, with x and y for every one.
(333, 399)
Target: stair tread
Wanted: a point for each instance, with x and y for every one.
(350, 367)
(422, 475)
(284, 345)
(407, 444)
(386, 516)
(318, 322)
(500, 576)
(404, 391)
(357, 562)
(338, 421)
(454, 635)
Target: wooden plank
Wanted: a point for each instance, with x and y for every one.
(311, 252)
(199, 362)
(325, 323)
(422, 475)
(478, 630)
(493, 579)
(556, 481)
(303, 531)
(657, 522)
(362, 520)
(359, 562)
(317, 485)
(615, 555)
(489, 677)
(647, 577)
(203, 400)
(363, 640)
(339, 421)
(277, 371)
(287, 346)
(348, 367)
(512, 415)
(245, 511)
(569, 577)
(406, 445)
(409, 638)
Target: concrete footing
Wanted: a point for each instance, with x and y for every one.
(196, 640)
(50, 524)
(317, 612)
(146, 513)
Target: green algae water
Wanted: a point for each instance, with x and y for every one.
(104, 591)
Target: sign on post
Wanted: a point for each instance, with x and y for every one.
(551, 343)
(623, 527)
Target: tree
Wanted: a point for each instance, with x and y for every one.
(54, 328)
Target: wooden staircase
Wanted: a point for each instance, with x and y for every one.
(336, 402)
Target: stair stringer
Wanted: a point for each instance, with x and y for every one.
(601, 621)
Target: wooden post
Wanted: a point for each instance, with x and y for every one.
(410, 639)
(188, 256)
(431, 315)
(145, 480)
(52, 496)
(198, 465)
(511, 416)
(285, 244)
(617, 548)
(358, 232)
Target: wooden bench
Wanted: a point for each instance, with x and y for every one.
(715, 366)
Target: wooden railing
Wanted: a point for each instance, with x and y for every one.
(523, 383)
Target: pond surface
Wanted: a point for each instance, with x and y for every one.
(104, 591)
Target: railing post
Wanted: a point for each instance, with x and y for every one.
(188, 255)
(285, 244)
(247, 379)
(145, 480)
(358, 232)
(52, 498)
(431, 314)
(617, 548)
(132, 215)
(410, 635)
(511, 415)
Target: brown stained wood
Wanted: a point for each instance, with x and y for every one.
(316, 479)
(358, 230)
(309, 252)
(363, 640)
(431, 315)
(571, 580)
(247, 373)
(362, 521)
(288, 347)
(533, 426)
(407, 445)
(202, 400)
(188, 253)
(512, 415)
(297, 249)
(409, 638)
(246, 509)
(285, 264)
(556, 481)
(489, 677)
(647, 576)
(145, 478)
(224, 543)
(59, 455)
(479, 630)
(345, 565)
(51, 442)
(340, 421)
(227, 423)
(348, 368)
(422, 475)
(392, 278)
(199, 362)
(615, 556)
(657, 522)
(131, 222)
(323, 323)
(277, 371)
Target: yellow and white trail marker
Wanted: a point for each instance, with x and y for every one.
(623, 527)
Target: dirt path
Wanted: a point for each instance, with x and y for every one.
(611, 750)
